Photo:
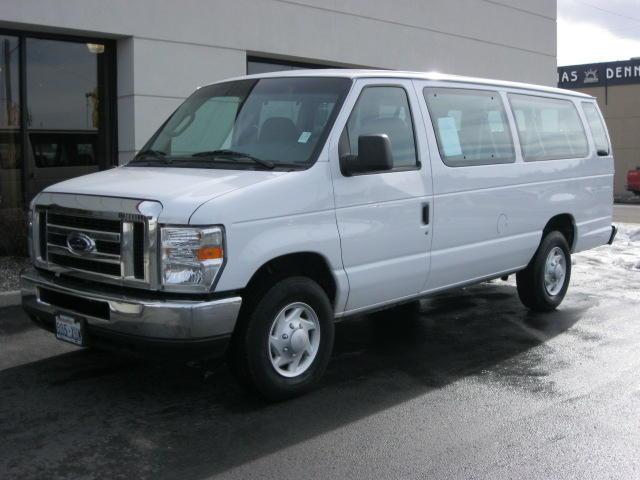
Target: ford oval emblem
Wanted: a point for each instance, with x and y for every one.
(80, 243)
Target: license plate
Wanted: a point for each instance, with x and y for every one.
(70, 329)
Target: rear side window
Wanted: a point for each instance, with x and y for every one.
(548, 128)
(597, 128)
(384, 110)
(471, 126)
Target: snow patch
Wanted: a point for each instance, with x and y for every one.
(628, 232)
(624, 253)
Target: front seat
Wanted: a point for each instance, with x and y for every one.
(278, 129)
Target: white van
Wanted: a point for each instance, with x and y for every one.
(268, 206)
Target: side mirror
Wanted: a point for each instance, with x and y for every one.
(374, 155)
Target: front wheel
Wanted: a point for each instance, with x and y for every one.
(543, 284)
(285, 341)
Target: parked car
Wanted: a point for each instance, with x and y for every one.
(633, 181)
(267, 207)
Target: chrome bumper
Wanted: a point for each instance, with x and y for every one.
(181, 320)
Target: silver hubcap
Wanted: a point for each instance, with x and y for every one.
(294, 339)
(555, 271)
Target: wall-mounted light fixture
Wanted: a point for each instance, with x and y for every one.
(95, 47)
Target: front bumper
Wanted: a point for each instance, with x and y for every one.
(129, 319)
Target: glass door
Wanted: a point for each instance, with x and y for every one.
(11, 162)
(57, 119)
(63, 108)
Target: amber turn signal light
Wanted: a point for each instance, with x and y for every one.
(210, 253)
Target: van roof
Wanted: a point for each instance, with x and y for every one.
(433, 76)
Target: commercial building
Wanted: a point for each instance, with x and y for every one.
(84, 83)
(616, 85)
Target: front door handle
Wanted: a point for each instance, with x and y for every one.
(425, 214)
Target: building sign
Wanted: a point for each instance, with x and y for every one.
(599, 74)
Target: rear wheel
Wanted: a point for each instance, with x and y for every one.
(543, 284)
(285, 341)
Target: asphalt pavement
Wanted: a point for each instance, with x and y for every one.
(471, 386)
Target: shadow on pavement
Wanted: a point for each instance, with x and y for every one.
(90, 411)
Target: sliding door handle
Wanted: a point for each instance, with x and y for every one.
(425, 214)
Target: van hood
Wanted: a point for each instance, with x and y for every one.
(179, 190)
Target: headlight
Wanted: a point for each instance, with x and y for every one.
(191, 257)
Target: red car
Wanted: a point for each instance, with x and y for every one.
(633, 181)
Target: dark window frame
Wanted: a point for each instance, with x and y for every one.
(344, 132)
(107, 80)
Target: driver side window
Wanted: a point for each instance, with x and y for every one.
(382, 110)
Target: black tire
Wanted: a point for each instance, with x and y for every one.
(250, 351)
(531, 281)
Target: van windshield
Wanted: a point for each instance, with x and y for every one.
(253, 123)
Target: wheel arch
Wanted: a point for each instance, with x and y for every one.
(564, 223)
(308, 264)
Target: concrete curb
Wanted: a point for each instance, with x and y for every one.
(10, 299)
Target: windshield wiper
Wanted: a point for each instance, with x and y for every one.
(156, 154)
(233, 153)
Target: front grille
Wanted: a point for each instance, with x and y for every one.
(112, 248)
(107, 237)
(86, 265)
(42, 234)
(58, 237)
(84, 223)
(93, 308)
(138, 250)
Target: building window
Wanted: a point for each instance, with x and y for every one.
(57, 118)
(257, 65)
(63, 105)
(10, 144)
